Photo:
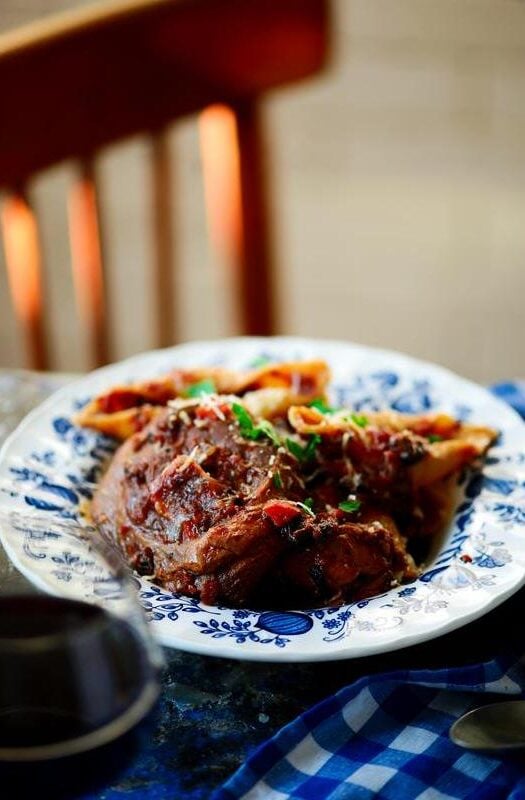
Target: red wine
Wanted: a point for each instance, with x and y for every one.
(72, 678)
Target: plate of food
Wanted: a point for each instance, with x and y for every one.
(276, 499)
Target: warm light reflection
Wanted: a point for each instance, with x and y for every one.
(22, 256)
(221, 170)
(85, 251)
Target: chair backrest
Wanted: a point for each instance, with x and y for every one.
(85, 79)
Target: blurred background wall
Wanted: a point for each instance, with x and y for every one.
(399, 186)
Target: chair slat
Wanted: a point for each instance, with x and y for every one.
(88, 277)
(219, 148)
(98, 75)
(235, 192)
(163, 258)
(257, 272)
(24, 267)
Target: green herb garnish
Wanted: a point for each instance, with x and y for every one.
(277, 480)
(434, 437)
(245, 421)
(306, 508)
(295, 449)
(359, 420)
(250, 430)
(201, 388)
(305, 453)
(310, 503)
(350, 506)
(266, 429)
(321, 406)
(309, 450)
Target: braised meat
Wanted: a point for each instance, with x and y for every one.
(249, 488)
(211, 513)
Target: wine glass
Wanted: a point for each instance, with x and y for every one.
(78, 672)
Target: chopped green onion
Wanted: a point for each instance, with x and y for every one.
(305, 453)
(310, 503)
(251, 431)
(277, 480)
(201, 388)
(359, 420)
(434, 437)
(350, 506)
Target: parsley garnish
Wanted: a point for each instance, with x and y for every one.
(201, 388)
(277, 480)
(251, 431)
(435, 437)
(321, 406)
(310, 503)
(295, 449)
(306, 508)
(245, 421)
(350, 506)
(305, 453)
(359, 419)
(267, 429)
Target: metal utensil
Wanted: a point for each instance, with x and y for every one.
(498, 726)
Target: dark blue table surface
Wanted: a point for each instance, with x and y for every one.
(213, 712)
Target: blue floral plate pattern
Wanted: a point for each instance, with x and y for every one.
(49, 469)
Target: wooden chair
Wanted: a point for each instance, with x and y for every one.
(81, 80)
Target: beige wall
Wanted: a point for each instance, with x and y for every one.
(399, 181)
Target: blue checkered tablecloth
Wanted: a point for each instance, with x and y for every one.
(386, 736)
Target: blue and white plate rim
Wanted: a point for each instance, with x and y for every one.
(480, 564)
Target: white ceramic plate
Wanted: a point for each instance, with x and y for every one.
(48, 467)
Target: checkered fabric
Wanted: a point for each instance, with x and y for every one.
(386, 737)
